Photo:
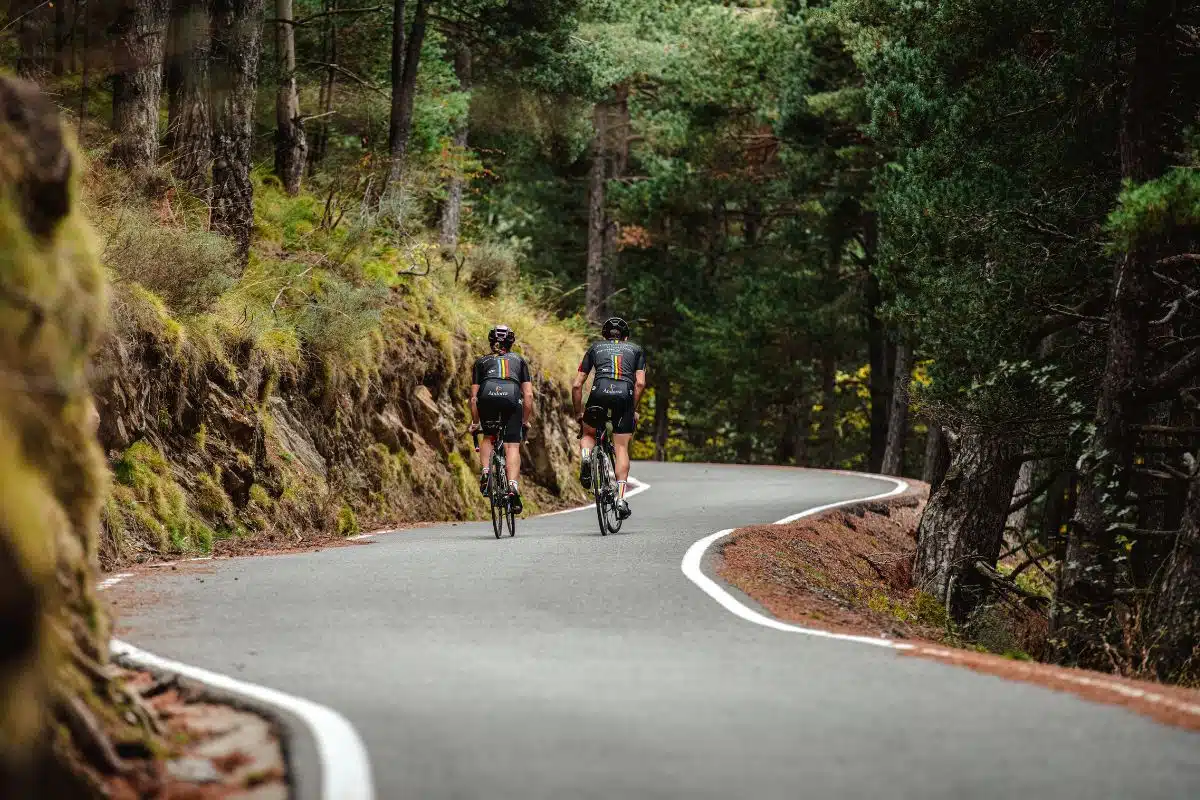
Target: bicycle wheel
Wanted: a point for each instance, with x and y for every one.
(600, 486)
(498, 497)
(611, 519)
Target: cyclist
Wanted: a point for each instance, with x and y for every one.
(502, 396)
(620, 367)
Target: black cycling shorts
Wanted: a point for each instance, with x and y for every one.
(501, 410)
(613, 400)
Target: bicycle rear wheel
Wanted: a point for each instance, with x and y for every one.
(499, 502)
(611, 519)
(600, 486)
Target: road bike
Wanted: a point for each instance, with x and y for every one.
(497, 488)
(604, 477)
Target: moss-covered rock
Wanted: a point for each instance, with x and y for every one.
(56, 705)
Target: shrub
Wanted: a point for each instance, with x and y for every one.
(339, 315)
(188, 269)
(491, 267)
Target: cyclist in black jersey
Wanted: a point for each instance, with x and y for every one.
(620, 367)
(502, 399)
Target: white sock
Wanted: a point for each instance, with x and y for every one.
(584, 453)
(512, 485)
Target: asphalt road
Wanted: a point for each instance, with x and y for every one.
(560, 664)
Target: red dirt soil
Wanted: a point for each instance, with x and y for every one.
(242, 750)
(850, 571)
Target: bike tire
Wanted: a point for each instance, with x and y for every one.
(498, 501)
(611, 518)
(600, 488)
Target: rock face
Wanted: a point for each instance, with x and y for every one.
(55, 700)
(298, 455)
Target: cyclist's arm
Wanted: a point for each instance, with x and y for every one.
(585, 367)
(639, 386)
(475, 403)
(527, 406)
(577, 392)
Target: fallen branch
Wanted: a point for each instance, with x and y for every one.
(1034, 493)
(1182, 258)
(990, 573)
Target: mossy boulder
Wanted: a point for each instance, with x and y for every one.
(57, 707)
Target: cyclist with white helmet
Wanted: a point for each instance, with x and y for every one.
(620, 367)
(502, 402)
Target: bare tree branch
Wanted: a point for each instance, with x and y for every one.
(357, 79)
(296, 23)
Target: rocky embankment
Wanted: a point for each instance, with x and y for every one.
(236, 453)
(65, 721)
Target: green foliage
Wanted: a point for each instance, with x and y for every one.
(347, 521)
(1151, 211)
(149, 499)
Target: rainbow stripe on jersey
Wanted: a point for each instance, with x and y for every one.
(504, 368)
(618, 374)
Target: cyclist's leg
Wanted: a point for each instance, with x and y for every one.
(623, 426)
(512, 435)
(486, 445)
(621, 451)
(485, 452)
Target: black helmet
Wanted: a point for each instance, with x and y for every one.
(503, 336)
(615, 328)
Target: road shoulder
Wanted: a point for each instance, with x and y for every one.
(847, 571)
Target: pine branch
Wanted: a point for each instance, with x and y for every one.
(296, 23)
(1176, 375)
(357, 79)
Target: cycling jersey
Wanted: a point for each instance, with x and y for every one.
(616, 364)
(500, 401)
(500, 366)
(614, 360)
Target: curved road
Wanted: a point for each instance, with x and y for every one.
(560, 664)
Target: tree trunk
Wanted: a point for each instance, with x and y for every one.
(827, 419)
(1083, 618)
(291, 148)
(329, 50)
(140, 41)
(404, 90)
(881, 353)
(28, 18)
(452, 209)
(937, 457)
(189, 116)
(236, 47)
(662, 414)
(85, 63)
(595, 296)
(897, 428)
(1177, 615)
(62, 32)
(964, 520)
(801, 423)
(1018, 519)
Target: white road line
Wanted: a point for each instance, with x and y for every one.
(345, 767)
(638, 488)
(113, 580)
(694, 558)
(1072, 676)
